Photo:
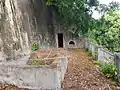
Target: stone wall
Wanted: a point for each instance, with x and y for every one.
(117, 61)
(44, 77)
(67, 37)
(79, 42)
(100, 53)
(21, 23)
(106, 56)
(92, 48)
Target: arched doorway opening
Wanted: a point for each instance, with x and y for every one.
(72, 43)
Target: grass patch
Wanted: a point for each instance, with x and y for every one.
(89, 53)
(40, 62)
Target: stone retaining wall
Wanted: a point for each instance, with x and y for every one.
(35, 77)
(106, 56)
(117, 61)
(100, 53)
(103, 54)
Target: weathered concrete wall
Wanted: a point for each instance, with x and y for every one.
(93, 48)
(67, 37)
(117, 61)
(105, 56)
(21, 23)
(43, 77)
(79, 42)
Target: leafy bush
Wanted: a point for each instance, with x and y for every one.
(110, 71)
(35, 46)
(89, 53)
(96, 63)
(106, 32)
(86, 49)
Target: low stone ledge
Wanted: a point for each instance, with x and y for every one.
(35, 77)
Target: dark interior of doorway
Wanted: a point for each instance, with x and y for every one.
(60, 40)
(71, 43)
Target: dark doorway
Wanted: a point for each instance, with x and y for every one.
(60, 40)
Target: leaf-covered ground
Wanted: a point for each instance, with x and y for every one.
(10, 87)
(82, 74)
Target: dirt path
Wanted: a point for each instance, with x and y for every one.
(82, 74)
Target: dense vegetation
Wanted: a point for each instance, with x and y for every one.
(106, 31)
(75, 16)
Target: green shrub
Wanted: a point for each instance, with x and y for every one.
(35, 46)
(86, 49)
(98, 63)
(95, 62)
(110, 71)
(89, 53)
